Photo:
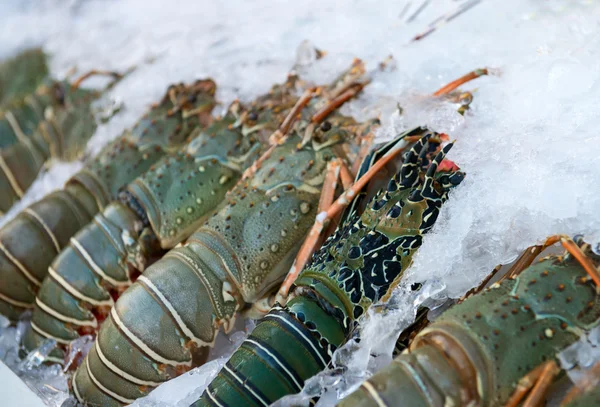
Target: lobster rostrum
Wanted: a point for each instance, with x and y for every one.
(471, 356)
(355, 267)
(54, 122)
(21, 74)
(46, 227)
(158, 210)
(165, 322)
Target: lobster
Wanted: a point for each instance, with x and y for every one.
(164, 205)
(360, 263)
(471, 355)
(21, 74)
(47, 226)
(56, 121)
(356, 266)
(164, 324)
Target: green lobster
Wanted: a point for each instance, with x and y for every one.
(47, 226)
(498, 345)
(356, 266)
(55, 121)
(165, 322)
(21, 74)
(156, 211)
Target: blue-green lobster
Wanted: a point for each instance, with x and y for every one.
(499, 345)
(356, 266)
(156, 211)
(165, 322)
(46, 227)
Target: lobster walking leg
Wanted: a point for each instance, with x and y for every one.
(536, 381)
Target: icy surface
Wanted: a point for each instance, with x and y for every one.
(529, 144)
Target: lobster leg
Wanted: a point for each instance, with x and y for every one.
(325, 201)
(536, 382)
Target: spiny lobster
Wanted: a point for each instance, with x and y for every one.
(477, 352)
(158, 210)
(358, 265)
(55, 121)
(164, 323)
(21, 74)
(46, 227)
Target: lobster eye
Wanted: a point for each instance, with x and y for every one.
(326, 126)
(253, 116)
(59, 94)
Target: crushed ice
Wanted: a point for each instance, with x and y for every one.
(529, 143)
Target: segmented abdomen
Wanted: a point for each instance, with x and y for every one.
(288, 346)
(63, 213)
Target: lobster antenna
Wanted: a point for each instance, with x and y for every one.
(94, 72)
(460, 81)
(351, 91)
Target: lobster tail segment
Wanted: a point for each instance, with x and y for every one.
(48, 225)
(286, 348)
(43, 228)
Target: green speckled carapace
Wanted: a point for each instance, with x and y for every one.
(476, 352)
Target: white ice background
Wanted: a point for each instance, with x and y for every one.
(529, 145)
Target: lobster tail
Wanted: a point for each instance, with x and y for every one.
(83, 280)
(161, 326)
(44, 229)
(288, 346)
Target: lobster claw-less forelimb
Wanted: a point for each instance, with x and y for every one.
(46, 227)
(161, 326)
(356, 266)
(471, 356)
(158, 210)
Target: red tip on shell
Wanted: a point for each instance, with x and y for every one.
(448, 166)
